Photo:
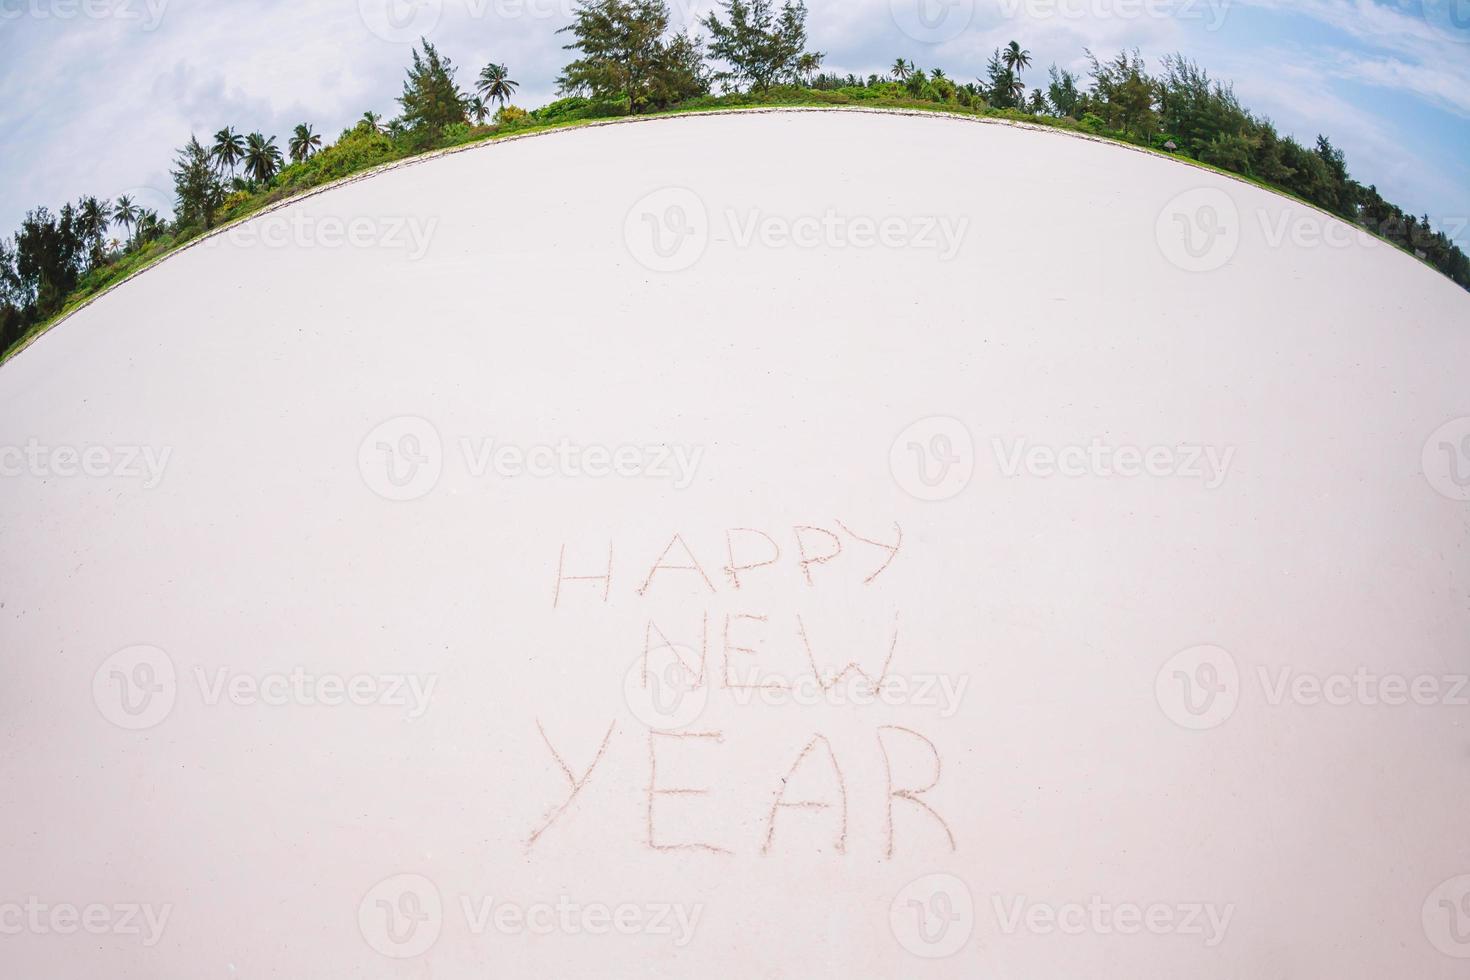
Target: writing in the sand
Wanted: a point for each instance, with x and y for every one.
(754, 565)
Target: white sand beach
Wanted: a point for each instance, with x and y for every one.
(334, 547)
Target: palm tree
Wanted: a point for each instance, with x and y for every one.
(262, 157)
(125, 212)
(304, 143)
(93, 215)
(372, 119)
(477, 110)
(228, 150)
(901, 70)
(495, 85)
(1016, 59)
(149, 226)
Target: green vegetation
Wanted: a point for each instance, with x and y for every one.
(627, 62)
(761, 47)
(628, 55)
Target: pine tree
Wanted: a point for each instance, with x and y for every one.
(196, 186)
(761, 47)
(430, 99)
(626, 56)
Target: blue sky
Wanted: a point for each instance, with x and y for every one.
(99, 93)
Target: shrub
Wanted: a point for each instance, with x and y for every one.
(234, 204)
(573, 107)
(358, 149)
(512, 117)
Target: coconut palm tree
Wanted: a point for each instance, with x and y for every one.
(476, 109)
(1015, 58)
(372, 119)
(228, 150)
(303, 143)
(93, 214)
(495, 84)
(125, 212)
(149, 226)
(262, 157)
(901, 70)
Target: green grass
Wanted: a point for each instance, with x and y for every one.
(360, 153)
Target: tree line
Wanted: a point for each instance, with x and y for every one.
(625, 59)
